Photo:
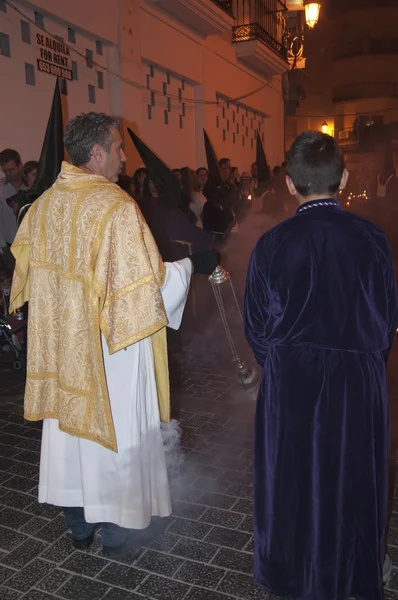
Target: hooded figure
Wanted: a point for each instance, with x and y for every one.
(51, 157)
(217, 217)
(175, 234)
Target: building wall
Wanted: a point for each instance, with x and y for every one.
(374, 76)
(317, 107)
(24, 109)
(162, 79)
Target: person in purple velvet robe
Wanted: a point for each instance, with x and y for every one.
(321, 315)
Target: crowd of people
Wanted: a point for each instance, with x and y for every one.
(205, 214)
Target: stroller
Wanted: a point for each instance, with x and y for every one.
(12, 334)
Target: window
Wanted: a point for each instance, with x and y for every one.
(149, 112)
(3, 6)
(5, 44)
(91, 94)
(183, 109)
(30, 74)
(74, 70)
(168, 78)
(39, 20)
(179, 94)
(180, 121)
(71, 36)
(164, 88)
(89, 58)
(98, 47)
(153, 99)
(151, 71)
(100, 77)
(25, 31)
(169, 104)
(166, 117)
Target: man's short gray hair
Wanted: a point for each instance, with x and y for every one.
(86, 130)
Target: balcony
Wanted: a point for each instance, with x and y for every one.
(359, 91)
(368, 46)
(207, 17)
(346, 136)
(260, 35)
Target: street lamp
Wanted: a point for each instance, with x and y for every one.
(305, 12)
(312, 10)
(324, 127)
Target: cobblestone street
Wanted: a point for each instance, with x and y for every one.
(204, 550)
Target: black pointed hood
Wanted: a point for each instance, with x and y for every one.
(212, 163)
(167, 185)
(263, 170)
(52, 153)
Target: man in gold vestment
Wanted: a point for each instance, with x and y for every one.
(100, 298)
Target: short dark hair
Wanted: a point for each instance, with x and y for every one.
(284, 164)
(201, 169)
(8, 155)
(315, 164)
(223, 161)
(86, 130)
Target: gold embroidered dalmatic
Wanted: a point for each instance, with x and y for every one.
(87, 263)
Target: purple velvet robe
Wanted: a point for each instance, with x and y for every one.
(320, 316)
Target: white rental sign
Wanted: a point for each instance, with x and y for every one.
(53, 57)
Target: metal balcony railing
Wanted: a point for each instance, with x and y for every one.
(376, 46)
(357, 91)
(264, 20)
(346, 135)
(227, 5)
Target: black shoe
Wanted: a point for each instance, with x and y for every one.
(116, 551)
(83, 544)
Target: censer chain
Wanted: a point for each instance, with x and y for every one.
(220, 304)
(236, 299)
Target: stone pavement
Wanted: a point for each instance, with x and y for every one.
(204, 550)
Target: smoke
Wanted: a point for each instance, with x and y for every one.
(204, 346)
(211, 346)
(171, 433)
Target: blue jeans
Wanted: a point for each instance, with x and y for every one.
(112, 535)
